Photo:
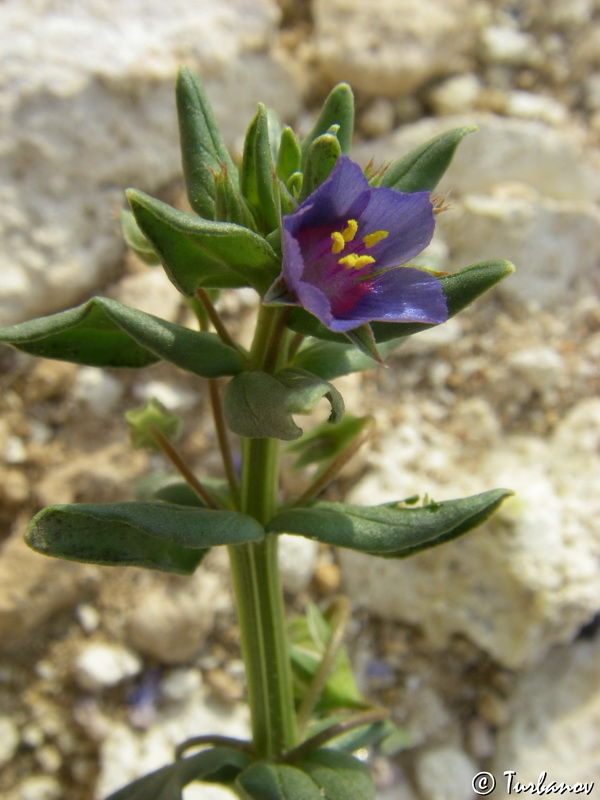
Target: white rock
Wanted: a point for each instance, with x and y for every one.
(101, 665)
(180, 684)
(172, 618)
(445, 773)
(502, 44)
(173, 398)
(517, 586)
(40, 787)
(538, 368)
(529, 105)
(555, 245)
(378, 118)
(126, 754)
(151, 291)
(297, 557)
(88, 617)
(501, 151)
(9, 740)
(393, 46)
(97, 390)
(88, 110)
(555, 719)
(455, 95)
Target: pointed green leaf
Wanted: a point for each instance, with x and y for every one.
(171, 489)
(309, 636)
(266, 781)
(393, 530)
(461, 289)
(289, 157)
(197, 253)
(258, 405)
(203, 151)
(135, 239)
(338, 109)
(217, 765)
(321, 158)
(329, 360)
(422, 168)
(257, 174)
(230, 203)
(338, 775)
(159, 536)
(106, 333)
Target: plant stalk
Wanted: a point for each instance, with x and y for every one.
(257, 583)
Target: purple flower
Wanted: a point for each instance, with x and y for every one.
(344, 249)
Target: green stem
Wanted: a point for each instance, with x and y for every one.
(256, 580)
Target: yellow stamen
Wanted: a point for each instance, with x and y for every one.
(349, 231)
(338, 242)
(372, 238)
(352, 261)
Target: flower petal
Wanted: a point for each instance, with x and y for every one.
(405, 294)
(409, 218)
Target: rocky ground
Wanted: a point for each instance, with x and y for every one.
(486, 649)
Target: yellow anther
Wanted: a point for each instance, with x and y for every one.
(372, 238)
(338, 242)
(352, 261)
(349, 231)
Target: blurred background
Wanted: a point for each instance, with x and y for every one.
(487, 649)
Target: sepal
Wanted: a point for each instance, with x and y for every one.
(423, 167)
(257, 173)
(320, 160)
(203, 151)
(338, 109)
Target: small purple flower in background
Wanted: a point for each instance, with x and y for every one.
(344, 249)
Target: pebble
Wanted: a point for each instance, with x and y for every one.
(297, 557)
(9, 740)
(180, 683)
(502, 44)
(442, 773)
(40, 787)
(528, 105)
(378, 119)
(97, 391)
(455, 95)
(88, 617)
(101, 665)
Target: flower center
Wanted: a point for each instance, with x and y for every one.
(355, 259)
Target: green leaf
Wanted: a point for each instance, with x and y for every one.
(106, 333)
(196, 253)
(217, 765)
(338, 775)
(160, 536)
(329, 360)
(338, 109)
(203, 151)
(258, 405)
(257, 174)
(289, 157)
(266, 781)
(171, 489)
(461, 289)
(309, 636)
(392, 530)
(422, 168)
(230, 203)
(135, 239)
(321, 158)
(326, 441)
